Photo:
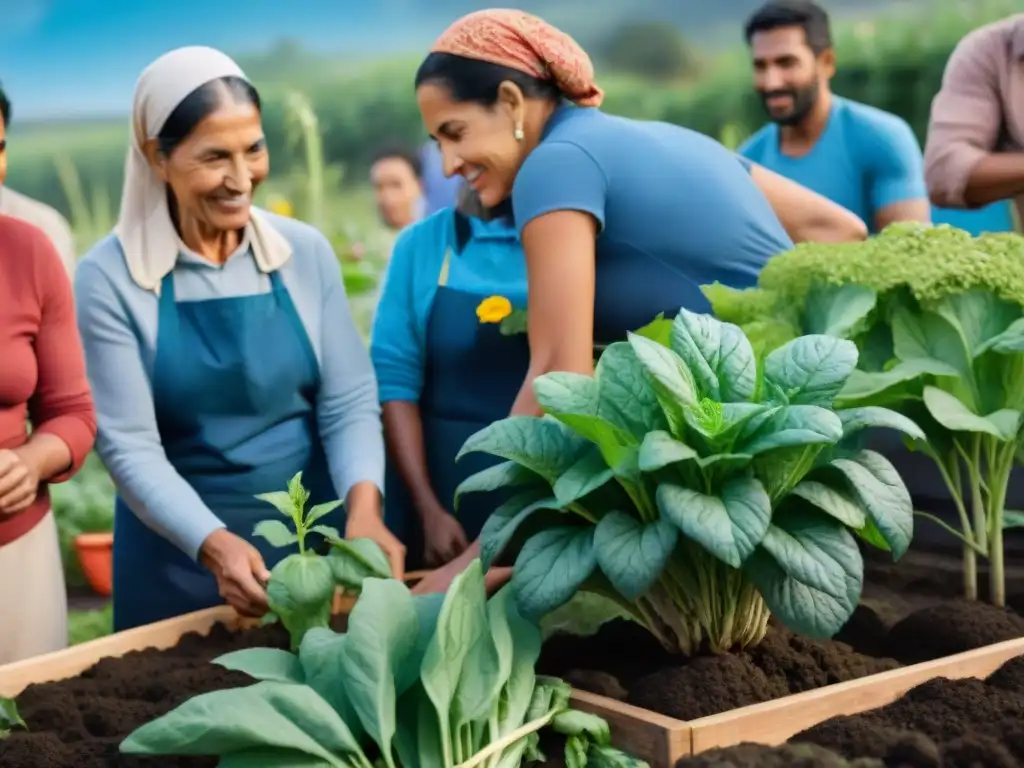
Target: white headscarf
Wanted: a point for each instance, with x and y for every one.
(144, 227)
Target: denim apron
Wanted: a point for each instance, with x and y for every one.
(235, 382)
(472, 376)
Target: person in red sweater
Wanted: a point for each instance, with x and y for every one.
(42, 385)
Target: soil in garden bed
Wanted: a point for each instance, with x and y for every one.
(910, 613)
(939, 724)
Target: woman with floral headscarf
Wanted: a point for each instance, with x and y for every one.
(222, 355)
(619, 219)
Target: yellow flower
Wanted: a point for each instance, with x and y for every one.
(494, 309)
(281, 207)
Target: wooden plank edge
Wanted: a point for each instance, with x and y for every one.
(650, 736)
(774, 722)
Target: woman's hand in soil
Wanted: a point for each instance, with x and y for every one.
(240, 571)
(19, 482)
(444, 538)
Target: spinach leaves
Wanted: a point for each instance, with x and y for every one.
(696, 485)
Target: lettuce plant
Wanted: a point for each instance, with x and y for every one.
(699, 488)
(302, 586)
(433, 681)
(939, 319)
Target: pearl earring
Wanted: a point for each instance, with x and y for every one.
(518, 133)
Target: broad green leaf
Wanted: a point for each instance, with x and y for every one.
(382, 631)
(718, 354)
(504, 475)
(627, 398)
(870, 534)
(586, 475)
(979, 316)
(879, 489)
(670, 379)
(269, 758)
(660, 449)
(1013, 518)
(928, 336)
(526, 645)
(729, 526)
(615, 443)
(275, 532)
(1007, 342)
(9, 717)
(546, 447)
(551, 567)
(281, 501)
(839, 311)
(633, 554)
(659, 330)
(951, 413)
(868, 417)
(329, 532)
(481, 682)
(809, 572)
(419, 731)
(321, 655)
(268, 714)
(831, 501)
(502, 524)
(575, 723)
(792, 425)
(811, 370)
(264, 664)
(300, 591)
(864, 386)
(321, 510)
(354, 560)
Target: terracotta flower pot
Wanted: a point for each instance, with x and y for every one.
(96, 556)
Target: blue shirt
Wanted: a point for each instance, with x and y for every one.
(491, 263)
(864, 160)
(118, 323)
(440, 192)
(675, 210)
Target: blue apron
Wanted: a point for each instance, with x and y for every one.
(235, 382)
(473, 374)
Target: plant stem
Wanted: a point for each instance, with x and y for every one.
(999, 481)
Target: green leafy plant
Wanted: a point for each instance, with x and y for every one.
(301, 589)
(697, 487)
(9, 717)
(432, 681)
(938, 318)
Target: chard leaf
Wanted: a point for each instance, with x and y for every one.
(811, 370)
(546, 447)
(265, 715)
(660, 449)
(265, 664)
(889, 386)
(633, 554)
(809, 572)
(839, 311)
(382, 632)
(867, 417)
(951, 413)
(526, 644)
(880, 491)
(478, 686)
(718, 354)
(275, 532)
(418, 740)
(354, 560)
(321, 655)
(670, 379)
(503, 475)
(551, 567)
(929, 336)
(585, 476)
(979, 316)
(502, 524)
(729, 526)
(300, 592)
(833, 502)
(791, 426)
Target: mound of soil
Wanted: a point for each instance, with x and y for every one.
(939, 724)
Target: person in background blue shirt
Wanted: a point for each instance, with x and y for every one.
(397, 178)
(860, 157)
(443, 373)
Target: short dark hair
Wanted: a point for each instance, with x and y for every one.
(200, 104)
(399, 152)
(809, 16)
(5, 108)
(477, 81)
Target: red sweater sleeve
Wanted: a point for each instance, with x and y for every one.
(62, 404)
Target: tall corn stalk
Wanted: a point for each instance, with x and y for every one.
(304, 126)
(90, 219)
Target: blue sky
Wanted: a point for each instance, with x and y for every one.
(67, 58)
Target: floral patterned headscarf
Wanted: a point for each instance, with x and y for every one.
(524, 42)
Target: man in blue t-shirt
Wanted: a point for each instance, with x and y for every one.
(860, 157)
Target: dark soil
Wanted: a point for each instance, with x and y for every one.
(910, 613)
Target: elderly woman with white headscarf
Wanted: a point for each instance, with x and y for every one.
(222, 355)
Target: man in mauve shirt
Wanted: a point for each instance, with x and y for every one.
(42, 384)
(974, 154)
